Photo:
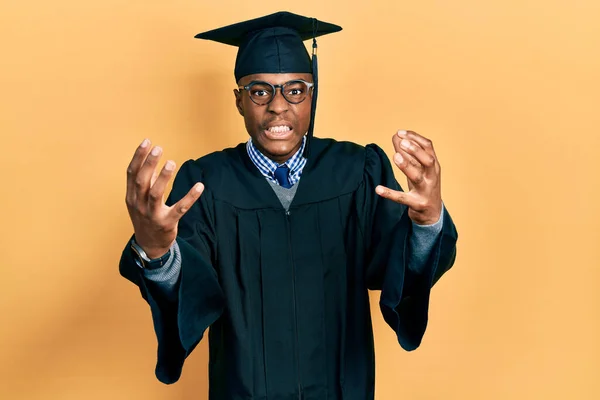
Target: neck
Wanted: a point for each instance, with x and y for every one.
(279, 159)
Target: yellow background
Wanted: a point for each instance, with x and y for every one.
(507, 90)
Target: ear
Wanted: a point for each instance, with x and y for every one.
(238, 101)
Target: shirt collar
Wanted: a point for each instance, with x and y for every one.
(267, 167)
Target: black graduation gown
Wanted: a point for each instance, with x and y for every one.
(286, 293)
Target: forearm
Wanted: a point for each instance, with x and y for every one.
(164, 280)
(422, 241)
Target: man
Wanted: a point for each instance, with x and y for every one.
(275, 243)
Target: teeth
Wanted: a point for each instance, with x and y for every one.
(279, 129)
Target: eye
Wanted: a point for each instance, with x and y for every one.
(295, 89)
(259, 93)
(260, 89)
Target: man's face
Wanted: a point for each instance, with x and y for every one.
(277, 144)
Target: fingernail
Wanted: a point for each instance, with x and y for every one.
(169, 165)
(156, 151)
(144, 143)
(198, 187)
(405, 143)
(401, 133)
(399, 158)
(379, 190)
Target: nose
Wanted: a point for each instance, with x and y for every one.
(279, 104)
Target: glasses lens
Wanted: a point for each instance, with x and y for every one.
(295, 91)
(260, 92)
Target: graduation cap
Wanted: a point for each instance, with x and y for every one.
(274, 44)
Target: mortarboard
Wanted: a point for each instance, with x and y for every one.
(274, 44)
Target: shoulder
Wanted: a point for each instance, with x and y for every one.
(341, 154)
(220, 159)
(334, 168)
(348, 157)
(328, 146)
(214, 166)
(349, 165)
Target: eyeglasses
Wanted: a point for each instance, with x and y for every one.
(262, 93)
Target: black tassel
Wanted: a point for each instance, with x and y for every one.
(315, 73)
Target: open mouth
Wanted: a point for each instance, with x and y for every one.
(278, 131)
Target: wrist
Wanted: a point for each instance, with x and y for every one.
(425, 220)
(158, 253)
(152, 259)
(151, 251)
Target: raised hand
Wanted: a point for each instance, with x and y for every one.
(154, 223)
(416, 158)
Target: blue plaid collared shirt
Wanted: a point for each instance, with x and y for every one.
(267, 167)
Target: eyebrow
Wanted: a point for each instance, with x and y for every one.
(275, 84)
(309, 78)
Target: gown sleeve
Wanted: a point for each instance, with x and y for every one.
(405, 291)
(180, 324)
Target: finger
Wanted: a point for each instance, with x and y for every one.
(425, 158)
(410, 158)
(425, 143)
(132, 169)
(397, 140)
(395, 195)
(409, 166)
(179, 209)
(144, 175)
(159, 184)
(153, 179)
(400, 148)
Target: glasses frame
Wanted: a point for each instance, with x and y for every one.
(247, 88)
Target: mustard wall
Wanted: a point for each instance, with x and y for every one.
(509, 92)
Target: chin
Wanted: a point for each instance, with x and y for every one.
(279, 148)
